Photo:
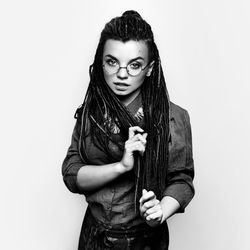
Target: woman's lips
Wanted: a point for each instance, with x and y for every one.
(121, 84)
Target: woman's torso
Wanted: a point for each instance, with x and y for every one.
(114, 203)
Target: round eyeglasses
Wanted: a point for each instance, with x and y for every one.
(133, 69)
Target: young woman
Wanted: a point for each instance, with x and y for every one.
(131, 149)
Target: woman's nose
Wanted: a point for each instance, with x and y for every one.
(122, 73)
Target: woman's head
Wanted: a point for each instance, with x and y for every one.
(128, 35)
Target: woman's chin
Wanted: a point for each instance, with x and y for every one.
(127, 97)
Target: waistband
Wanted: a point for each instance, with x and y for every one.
(118, 231)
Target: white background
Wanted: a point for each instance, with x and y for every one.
(46, 48)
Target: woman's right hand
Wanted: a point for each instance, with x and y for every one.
(136, 142)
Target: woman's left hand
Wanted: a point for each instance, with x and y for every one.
(150, 208)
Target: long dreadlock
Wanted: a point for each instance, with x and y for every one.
(101, 103)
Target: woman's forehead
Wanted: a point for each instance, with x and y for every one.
(126, 50)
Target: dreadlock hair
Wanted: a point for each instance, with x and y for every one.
(101, 103)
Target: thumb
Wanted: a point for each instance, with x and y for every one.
(144, 191)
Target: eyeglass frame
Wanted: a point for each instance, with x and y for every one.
(127, 69)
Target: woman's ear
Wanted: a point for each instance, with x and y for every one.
(150, 68)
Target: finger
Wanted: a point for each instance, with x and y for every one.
(145, 208)
(150, 204)
(147, 196)
(144, 191)
(132, 130)
(155, 216)
(145, 135)
(142, 138)
(138, 137)
(135, 146)
(153, 209)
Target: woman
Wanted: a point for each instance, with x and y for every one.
(131, 149)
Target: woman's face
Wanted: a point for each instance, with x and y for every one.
(121, 54)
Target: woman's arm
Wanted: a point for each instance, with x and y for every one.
(181, 166)
(179, 190)
(79, 176)
(91, 177)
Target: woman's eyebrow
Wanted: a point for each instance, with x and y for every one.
(137, 58)
(131, 60)
(108, 55)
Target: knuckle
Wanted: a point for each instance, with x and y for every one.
(149, 204)
(132, 128)
(151, 193)
(150, 211)
(139, 136)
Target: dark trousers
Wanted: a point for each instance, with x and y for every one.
(96, 236)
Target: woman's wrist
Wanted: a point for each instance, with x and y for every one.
(169, 207)
(120, 168)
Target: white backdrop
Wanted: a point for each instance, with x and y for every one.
(46, 49)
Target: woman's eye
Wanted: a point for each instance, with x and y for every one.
(134, 65)
(111, 62)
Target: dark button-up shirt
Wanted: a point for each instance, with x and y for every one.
(114, 203)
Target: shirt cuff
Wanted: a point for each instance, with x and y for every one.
(182, 192)
(70, 178)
